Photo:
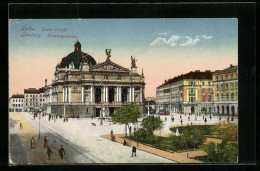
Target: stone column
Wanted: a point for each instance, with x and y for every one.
(117, 94)
(133, 95)
(69, 94)
(82, 94)
(63, 94)
(91, 94)
(141, 95)
(106, 94)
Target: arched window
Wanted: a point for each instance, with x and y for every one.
(218, 97)
(227, 97)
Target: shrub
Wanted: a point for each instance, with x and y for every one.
(224, 152)
(226, 130)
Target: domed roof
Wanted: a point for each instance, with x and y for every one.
(77, 57)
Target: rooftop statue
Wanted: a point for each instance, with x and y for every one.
(133, 61)
(108, 53)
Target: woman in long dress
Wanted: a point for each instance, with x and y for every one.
(46, 142)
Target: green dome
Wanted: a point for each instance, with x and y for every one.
(76, 58)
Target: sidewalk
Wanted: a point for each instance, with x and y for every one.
(177, 157)
(38, 155)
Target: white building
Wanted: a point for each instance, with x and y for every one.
(31, 99)
(16, 103)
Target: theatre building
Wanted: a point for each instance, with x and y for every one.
(86, 88)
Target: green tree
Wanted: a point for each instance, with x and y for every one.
(226, 130)
(151, 124)
(126, 114)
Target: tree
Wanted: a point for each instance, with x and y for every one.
(152, 123)
(126, 114)
(226, 130)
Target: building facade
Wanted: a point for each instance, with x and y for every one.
(84, 88)
(31, 99)
(188, 93)
(226, 91)
(16, 103)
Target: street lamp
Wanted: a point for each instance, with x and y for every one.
(39, 124)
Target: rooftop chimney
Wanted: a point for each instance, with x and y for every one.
(165, 81)
(208, 71)
(231, 65)
(197, 70)
(45, 82)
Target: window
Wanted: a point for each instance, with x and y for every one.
(119, 77)
(226, 77)
(105, 77)
(203, 83)
(222, 87)
(87, 110)
(226, 86)
(222, 97)
(26, 95)
(232, 86)
(231, 76)
(209, 98)
(216, 78)
(209, 83)
(209, 90)
(232, 96)
(227, 97)
(204, 99)
(31, 96)
(221, 77)
(13, 105)
(217, 87)
(236, 85)
(236, 75)
(203, 90)
(13, 100)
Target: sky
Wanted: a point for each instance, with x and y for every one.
(163, 47)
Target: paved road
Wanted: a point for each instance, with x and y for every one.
(83, 143)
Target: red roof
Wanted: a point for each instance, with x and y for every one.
(31, 90)
(17, 96)
(191, 75)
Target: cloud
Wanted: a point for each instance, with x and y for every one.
(171, 41)
(190, 41)
(206, 37)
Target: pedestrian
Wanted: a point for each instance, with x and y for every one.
(165, 119)
(67, 119)
(133, 151)
(130, 130)
(49, 152)
(64, 120)
(21, 126)
(134, 129)
(209, 116)
(203, 117)
(205, 120)
(228, 119)
(34, 116)
(46, 142)
(124, 142)
(187, 155)
(32, 143)
(56, 116)
(220, 118)
(191, 123)
(78, 117)
(188, 118)
(92, 116)
(111, 132)
(181, 121)
(62, 152)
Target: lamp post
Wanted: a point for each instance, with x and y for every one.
(39, 124)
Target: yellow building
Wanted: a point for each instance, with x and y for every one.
(187, 93)
(226, 91)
